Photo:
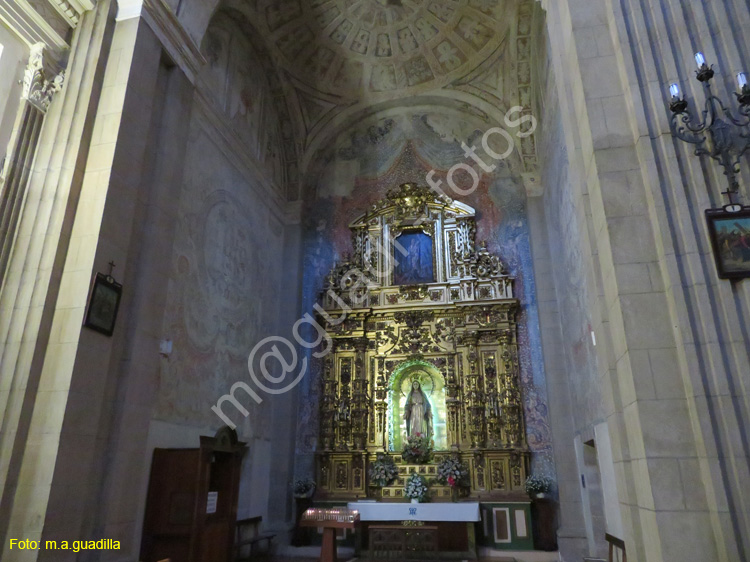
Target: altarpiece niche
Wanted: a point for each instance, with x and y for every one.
(424, 339)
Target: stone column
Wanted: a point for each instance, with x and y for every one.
(40, 84)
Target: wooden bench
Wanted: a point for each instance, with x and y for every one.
(248, 536)
(408, 541)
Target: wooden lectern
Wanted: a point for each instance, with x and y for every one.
(330, 520)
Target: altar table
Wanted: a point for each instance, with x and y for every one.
(389, 539)
(451, 525)
(384, 511)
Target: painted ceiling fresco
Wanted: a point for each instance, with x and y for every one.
(343, 60)
(370, 46)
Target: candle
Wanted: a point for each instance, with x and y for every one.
(700, 59)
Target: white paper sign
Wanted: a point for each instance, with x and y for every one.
(213, 498)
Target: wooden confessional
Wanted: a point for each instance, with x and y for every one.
(191, 508)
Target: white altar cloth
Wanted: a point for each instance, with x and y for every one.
(383, 511)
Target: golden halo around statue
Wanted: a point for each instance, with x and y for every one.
(421, 376)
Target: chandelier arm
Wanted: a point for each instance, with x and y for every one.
(687, 122)
(709, 109)
(728, 164)
(686, 133)
(741, 153)
(729, 115)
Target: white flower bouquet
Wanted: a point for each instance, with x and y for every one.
(538, 485)
(383, 471)
(416, 488)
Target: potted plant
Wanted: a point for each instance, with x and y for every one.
(416, 488)
(418, 449)
(383, 471)
(452, 472)
(304, 488)
(538, 487)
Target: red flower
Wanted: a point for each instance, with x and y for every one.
(451, 481)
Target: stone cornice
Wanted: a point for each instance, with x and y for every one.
(173, 37)
(45, 22)
(31, 26)
(69, 12)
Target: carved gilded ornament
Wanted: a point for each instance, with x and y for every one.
(461, 329)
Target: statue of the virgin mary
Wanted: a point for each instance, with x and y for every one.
(418, 412)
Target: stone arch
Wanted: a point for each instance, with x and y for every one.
(244, 84)
(474, 108)
(445, 121)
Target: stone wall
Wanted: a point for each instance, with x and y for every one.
(628, 211)
(205, 250)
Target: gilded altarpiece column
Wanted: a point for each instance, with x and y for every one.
(420, 302)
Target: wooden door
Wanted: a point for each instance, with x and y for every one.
(217, 517)
(191, 508)
(170, 506)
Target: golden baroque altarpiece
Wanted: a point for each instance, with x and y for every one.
(454, 331)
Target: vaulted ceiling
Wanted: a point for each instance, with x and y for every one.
(342, 60)
(376, 48)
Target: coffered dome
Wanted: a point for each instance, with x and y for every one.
(377, 48)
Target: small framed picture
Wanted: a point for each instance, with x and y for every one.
(730, 237)
(104, 301)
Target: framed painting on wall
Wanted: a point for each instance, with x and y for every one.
(413, 257)
(104, 301)
(730, 238)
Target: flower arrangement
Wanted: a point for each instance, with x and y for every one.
(416, 488)
(383, 471)
(304, 488)
(418, 449)
(536, 485)
(451, 472)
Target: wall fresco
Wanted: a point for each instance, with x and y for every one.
(222, 291)
(246, 89)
